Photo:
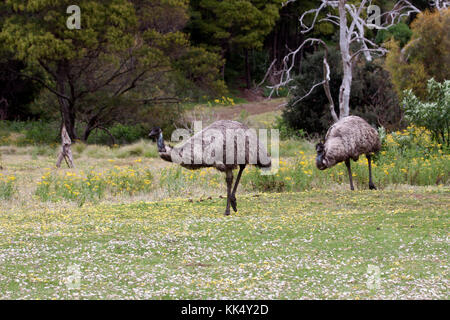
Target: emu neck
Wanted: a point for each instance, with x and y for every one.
(160, 143)
(164, 152)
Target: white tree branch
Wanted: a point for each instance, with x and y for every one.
(348, 33)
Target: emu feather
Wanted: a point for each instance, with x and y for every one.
(224, 145)
(347, 139)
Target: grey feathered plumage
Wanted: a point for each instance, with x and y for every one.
(207, 140)
(210, 148)
(347, 139)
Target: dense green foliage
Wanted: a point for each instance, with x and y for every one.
(136, 64)
(434, 113)
(233, 26)
(127, 54)
(400, 32)
(425, 56)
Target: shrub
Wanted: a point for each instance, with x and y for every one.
(425, 56)
(312, 113)
(400, 32)
(40, 132)
(434, 113)
(92, 186)
(287, 132)
(122, 134)
(7, 186)
(29, 132)
(372, 95)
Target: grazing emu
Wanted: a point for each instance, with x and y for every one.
(224, 145)
(347, 139)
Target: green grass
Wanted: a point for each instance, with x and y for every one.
(315, 244)
(139, 227)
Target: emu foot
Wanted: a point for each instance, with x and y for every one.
(233, 203)
(227, 212)
(372, 186)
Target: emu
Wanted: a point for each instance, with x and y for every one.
(224, 145)
(347, 139)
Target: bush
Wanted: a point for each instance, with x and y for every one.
(7, 186)
(400, 32)
(122, 134)
(425, 56)
(408, 156)
(312, 113)
(39, 132)
(29, 132)
(434, 113)
(372, 95)
(92, 186)
(287, 132)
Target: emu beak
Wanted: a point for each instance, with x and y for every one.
(320, 163)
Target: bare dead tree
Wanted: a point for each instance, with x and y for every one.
(65, 152)
(352, 26)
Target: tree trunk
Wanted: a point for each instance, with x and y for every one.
(344, 44)
(68, 117)
(66, 106)
(3, 108)
(247, 70)
(87, 133)
(65, 153)
(91, 125)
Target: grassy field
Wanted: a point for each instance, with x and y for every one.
(315, 244)
(125, 224)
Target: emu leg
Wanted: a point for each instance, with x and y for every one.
(229, 180)
(233, 193)
(347, 163)
(371, 185)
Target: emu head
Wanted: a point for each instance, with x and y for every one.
(321, 162)
(157, 133)
(154, 133)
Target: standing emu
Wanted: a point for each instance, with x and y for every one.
(347, 139)
(212, 148)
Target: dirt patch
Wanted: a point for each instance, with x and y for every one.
(209, 114)
(233, 112)
(252, 95)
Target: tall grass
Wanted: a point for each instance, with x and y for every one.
(22, 133)
(7, 186)
(92, 185)
(407, 157)
(141, 148)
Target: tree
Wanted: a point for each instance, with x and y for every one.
(400, 32)
(230, 24)
(16, 92)
(123, 55)
(372, 94)
(424, 56)
(352, 43)
(37, 33)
